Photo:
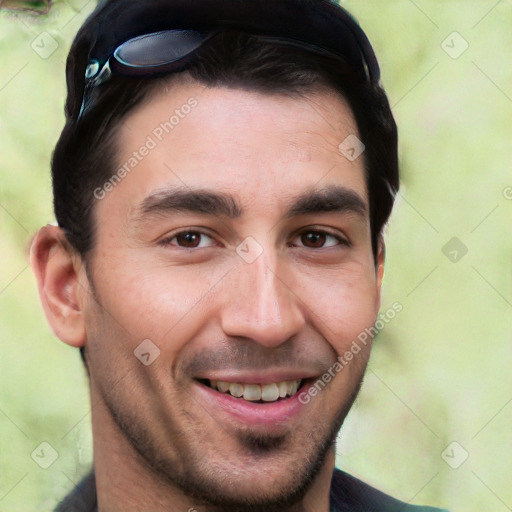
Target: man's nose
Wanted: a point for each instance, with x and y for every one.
(260, 303)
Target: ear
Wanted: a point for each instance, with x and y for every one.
(57, 268)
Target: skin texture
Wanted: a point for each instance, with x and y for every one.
(159, 438)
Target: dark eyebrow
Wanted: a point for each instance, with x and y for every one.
(189, 200)
(333, 199)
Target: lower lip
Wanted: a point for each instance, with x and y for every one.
(252, 413)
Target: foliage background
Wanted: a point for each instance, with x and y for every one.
(440, 371)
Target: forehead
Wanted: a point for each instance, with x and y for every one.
(263, 148)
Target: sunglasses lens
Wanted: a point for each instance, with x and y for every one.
(159, 49)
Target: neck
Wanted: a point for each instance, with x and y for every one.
(124, 482)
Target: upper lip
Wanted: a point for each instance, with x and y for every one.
(244, 377)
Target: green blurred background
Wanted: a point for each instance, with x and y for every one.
(441, 369)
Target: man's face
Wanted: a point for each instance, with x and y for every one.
(240, 246)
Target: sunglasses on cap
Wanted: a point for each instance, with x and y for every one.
(143, 47)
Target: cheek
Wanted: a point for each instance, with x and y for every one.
(169, 305)
(159, 303)
(342, 304)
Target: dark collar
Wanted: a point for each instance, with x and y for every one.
(348, 494)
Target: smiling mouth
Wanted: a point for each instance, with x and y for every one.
(259, 393)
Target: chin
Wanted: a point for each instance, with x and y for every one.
(268, 474)
(257, 491)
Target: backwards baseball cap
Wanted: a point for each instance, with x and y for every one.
(147, 38)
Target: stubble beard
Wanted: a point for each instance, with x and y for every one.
(202, 484)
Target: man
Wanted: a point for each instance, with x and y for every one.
(221, 187)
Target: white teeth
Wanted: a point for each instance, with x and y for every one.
(252, 392)
(236, 389)
(269, 392)
(221, 386)
(255, 392)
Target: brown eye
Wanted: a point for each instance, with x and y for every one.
(189, 240)
(313, 239)
(318, 240)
